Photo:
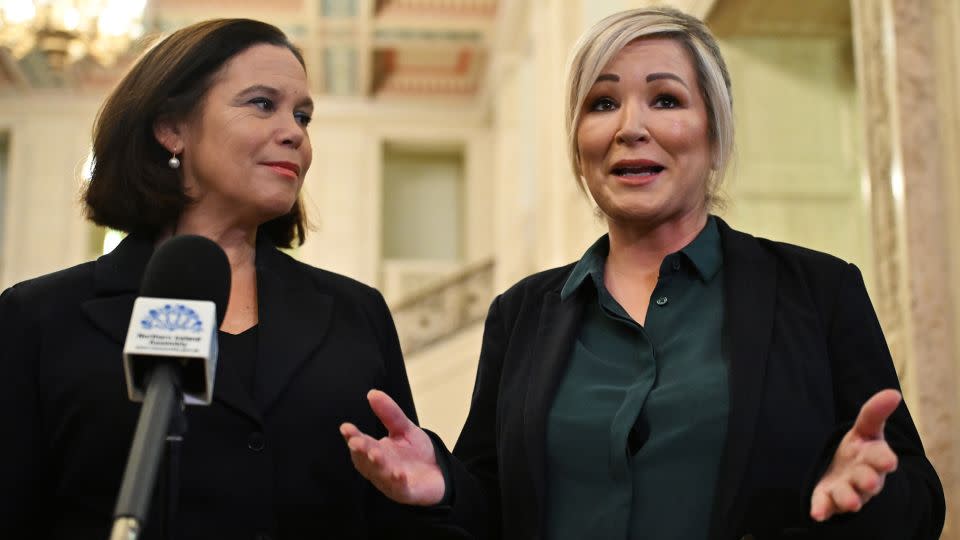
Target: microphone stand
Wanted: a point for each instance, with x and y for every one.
(178, 427)
(161, 419)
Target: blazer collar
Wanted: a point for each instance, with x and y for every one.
(294, 317)
(750, 282)
(116, 280)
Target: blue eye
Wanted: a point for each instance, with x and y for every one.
(303, 118)
(665, 101)
(603, 104)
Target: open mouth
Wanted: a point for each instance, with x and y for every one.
(644, 170)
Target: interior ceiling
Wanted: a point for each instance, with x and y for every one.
(382, 49)
(747, 18)
(399, 49)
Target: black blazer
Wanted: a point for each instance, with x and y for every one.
(272, 463)
(805, 351)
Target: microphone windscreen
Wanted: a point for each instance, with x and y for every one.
(189, 267)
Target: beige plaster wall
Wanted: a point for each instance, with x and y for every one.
(50, 137)
(948, 64)
(796, 175)
(343, 188)
(43, 229)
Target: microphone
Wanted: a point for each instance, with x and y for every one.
(183, 298)
(169, 359)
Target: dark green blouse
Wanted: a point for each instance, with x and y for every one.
(638, 425)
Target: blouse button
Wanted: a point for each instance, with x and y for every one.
(662, 301)
(255, 441)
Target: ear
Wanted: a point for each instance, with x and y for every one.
(169, 134)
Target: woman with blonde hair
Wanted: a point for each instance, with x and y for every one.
(682, 380)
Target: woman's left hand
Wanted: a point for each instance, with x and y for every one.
(861, 463)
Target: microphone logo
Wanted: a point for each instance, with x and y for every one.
(170, 328)
(172, 317)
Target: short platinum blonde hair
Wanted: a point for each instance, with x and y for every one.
(597, 47)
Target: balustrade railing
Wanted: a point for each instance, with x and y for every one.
(443, 308)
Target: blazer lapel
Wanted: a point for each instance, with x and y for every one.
(750, 294)
(117, 278)
(556, 332)
(294, 318)
(111, 315)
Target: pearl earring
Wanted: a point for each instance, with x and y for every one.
(174, 161)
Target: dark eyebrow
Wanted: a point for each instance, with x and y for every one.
(273, 92)
(650, 78)
(259, 89)
(658, 76)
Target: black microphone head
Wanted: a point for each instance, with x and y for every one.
(189, 267)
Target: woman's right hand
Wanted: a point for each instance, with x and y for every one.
(402, 465)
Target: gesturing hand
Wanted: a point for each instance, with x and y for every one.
(402, 465)
(861, 462)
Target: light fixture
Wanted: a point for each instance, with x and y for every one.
(67, 30)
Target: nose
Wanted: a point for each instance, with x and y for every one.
(291, 133)
(633, 127)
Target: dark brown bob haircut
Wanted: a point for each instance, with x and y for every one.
(132, 188)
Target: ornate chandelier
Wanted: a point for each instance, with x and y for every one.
(67, 30)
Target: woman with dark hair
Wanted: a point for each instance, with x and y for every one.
(682, 380)
(206, 135)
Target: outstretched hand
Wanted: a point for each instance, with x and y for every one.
(861, 463)
(402, 465)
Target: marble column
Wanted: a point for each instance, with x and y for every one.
(907, 167)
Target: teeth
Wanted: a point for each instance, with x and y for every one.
(637, 172)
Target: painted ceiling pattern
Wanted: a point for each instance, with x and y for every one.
(380, 49)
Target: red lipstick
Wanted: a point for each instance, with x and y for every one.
(285, 168)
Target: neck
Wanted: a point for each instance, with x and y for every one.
(639, 250)
(239, 243)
